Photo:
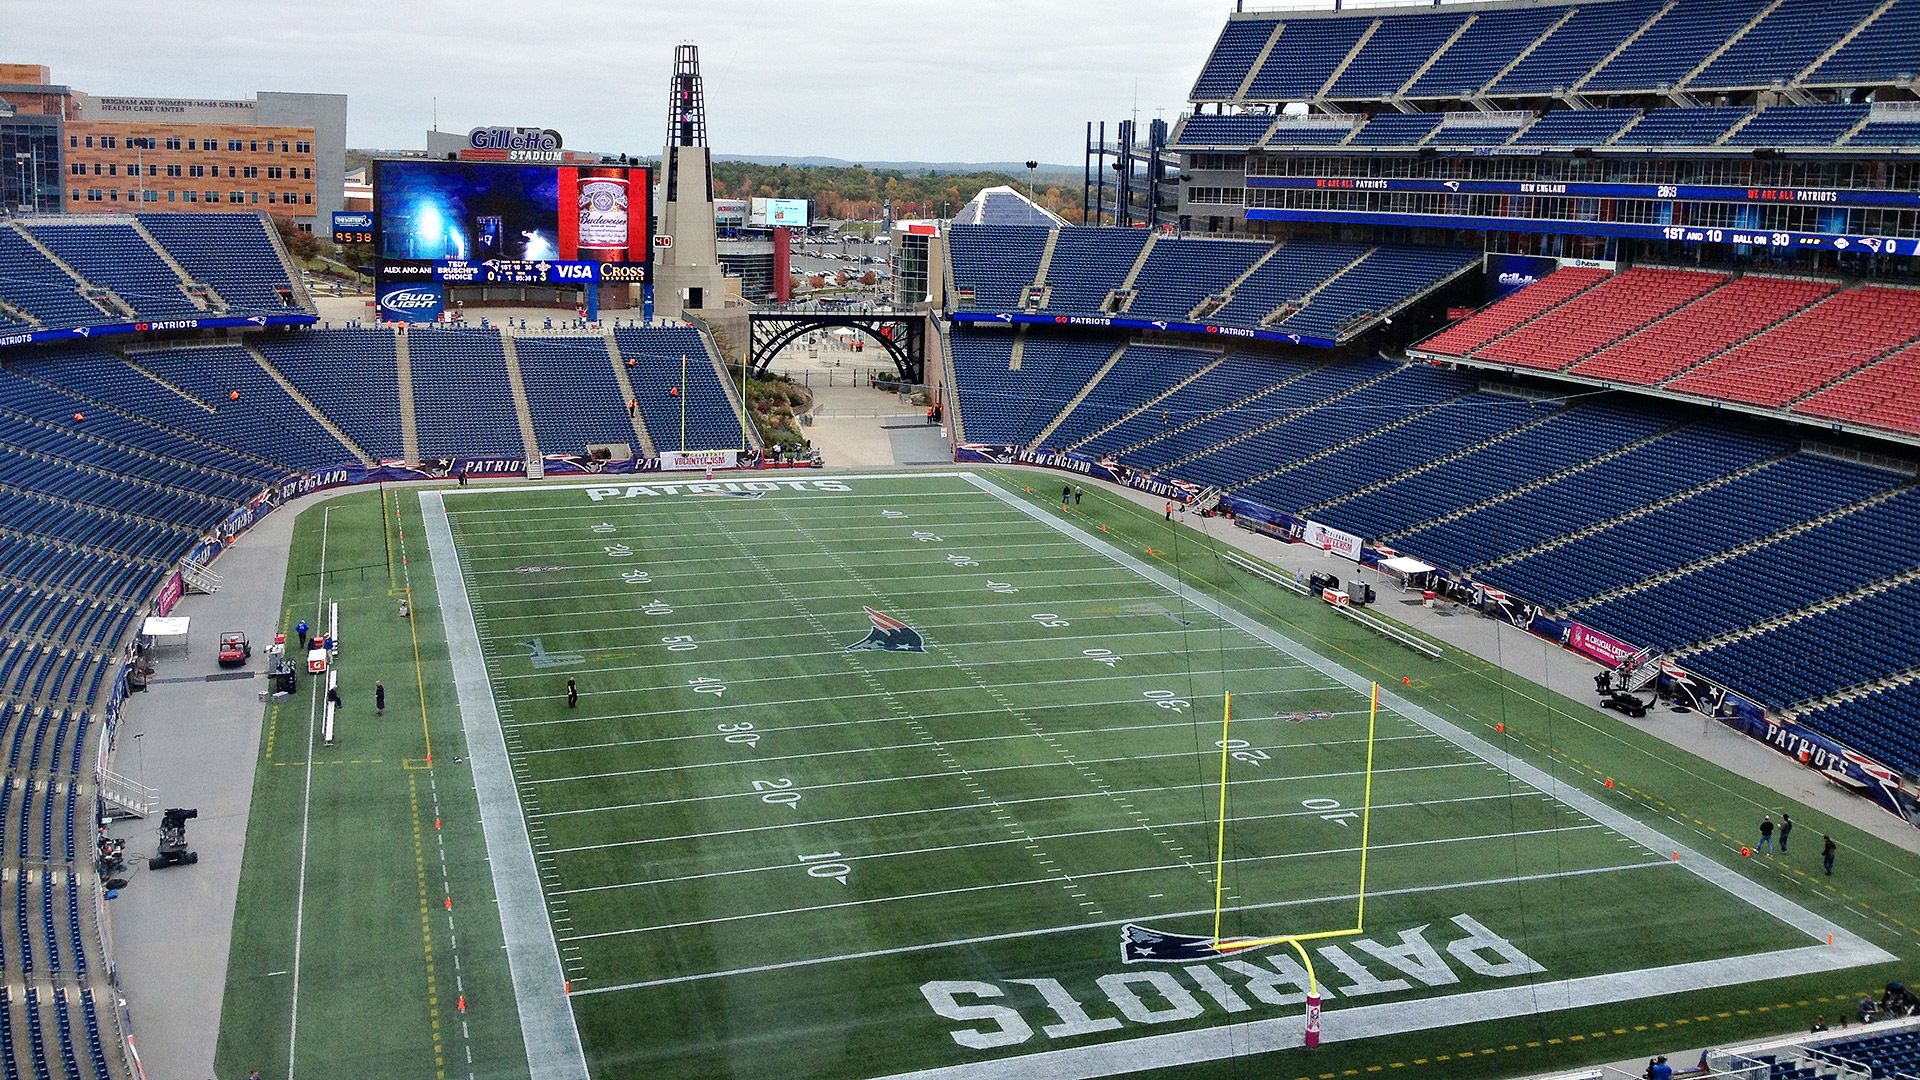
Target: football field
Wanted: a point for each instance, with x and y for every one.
(876, 774)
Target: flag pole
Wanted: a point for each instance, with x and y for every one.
(683, 403)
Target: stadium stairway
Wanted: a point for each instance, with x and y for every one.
(1735, 552)
(1040, 438)
(1151, 402)
(307, 404)
(1414, 473)
(1908, 677)
(1040, 272)
(1128, 284)
(1846, 39)
(205, 406)
(102, 298)
(1637, 512)
(641, 438)
(1205, 308)
(1289, 310)
(1538, 483)
(521, 410)
(1512, 312)
(1625, 43)
(403, 372)
(1241, 402)
(1760, 16)
(1348, 444)
(120, 447)
(198, 292)
(1285, 417)
(1864, 592)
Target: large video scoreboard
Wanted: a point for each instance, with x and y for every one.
(439, 223)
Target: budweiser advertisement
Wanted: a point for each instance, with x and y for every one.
(473, 222)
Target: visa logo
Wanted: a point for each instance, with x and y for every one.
(573, 271)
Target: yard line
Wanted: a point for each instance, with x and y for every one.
(729, 581)
(836, 784)
(1121, 729)
(1047, 603)
(1044, 836)
(588, 650)
(837, 697)
(553, 487)
(1155, 789)
(732, 681)
(1050, 880)
(1000, 543)
(1051, 602)
(1050, 931)
(898, 531)
(995, 513)
(759, 761)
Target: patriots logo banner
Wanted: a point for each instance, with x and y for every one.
(1145, 945)
(889, 635)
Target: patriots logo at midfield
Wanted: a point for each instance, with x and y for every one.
(1145, 945)
(889, 635)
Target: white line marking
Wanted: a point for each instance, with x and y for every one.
(306, 808)
(1077, 927)
(547, 1024)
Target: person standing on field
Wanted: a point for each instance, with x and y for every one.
(573, 694)
(379, 698)
(1786, 829)
(1826, 854)
(1766, 834)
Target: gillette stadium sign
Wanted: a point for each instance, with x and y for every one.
(520, 143)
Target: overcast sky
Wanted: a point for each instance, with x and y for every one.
(983, 80)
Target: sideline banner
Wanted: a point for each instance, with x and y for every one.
(1083, 464)
(1123, 322)
(210, 322)
(1594, 645)
(169, 594)
(694, 460)
(1344, 544)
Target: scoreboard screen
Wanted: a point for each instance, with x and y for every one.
(469, 222)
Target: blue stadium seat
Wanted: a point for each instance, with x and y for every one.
(711, 415)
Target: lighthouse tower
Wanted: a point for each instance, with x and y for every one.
(687, 274)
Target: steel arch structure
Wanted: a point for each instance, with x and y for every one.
(903, 334)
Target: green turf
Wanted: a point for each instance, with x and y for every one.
(999, 803)
(379, 992)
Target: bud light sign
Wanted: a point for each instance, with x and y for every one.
(415, 302)
(1510, 273)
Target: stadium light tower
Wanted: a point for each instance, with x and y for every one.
(1031, 166)
(687, 274)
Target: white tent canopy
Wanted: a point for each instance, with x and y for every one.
(1400, 564)
(166, 631)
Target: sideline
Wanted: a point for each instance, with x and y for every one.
(306, 808)
(533, 957)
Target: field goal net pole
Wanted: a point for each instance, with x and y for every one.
(1230, 945)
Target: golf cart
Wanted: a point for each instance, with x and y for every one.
(235, 650)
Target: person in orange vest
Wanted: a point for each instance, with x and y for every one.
(1169, 509)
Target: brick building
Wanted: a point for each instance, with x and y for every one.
(278, 152)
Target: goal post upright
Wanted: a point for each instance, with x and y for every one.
(1226, 945)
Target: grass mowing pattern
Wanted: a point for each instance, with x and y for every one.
(380, 987)
(992, 809)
